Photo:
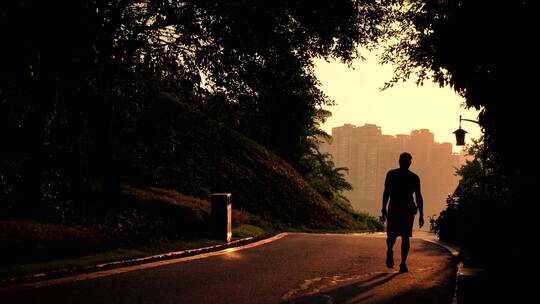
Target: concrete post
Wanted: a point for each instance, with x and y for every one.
(221, 215)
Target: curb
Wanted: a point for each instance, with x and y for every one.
(470, 282)
(454, 250)
(13, 282)
(471, 285)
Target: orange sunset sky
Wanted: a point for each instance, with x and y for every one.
(397, 110)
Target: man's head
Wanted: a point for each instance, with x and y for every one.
(405, 160)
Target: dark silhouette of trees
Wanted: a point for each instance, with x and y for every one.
(78, 78)
(475, 215)
(483, 50)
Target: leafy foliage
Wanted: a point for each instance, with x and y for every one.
(198, 156)
(328, 180)
(482, 50)
(79, 76)
(476, 214)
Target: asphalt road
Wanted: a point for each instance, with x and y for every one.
(299, 268)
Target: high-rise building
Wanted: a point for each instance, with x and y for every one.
(369, 155)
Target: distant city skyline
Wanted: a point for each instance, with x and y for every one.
(398, 110)
(369, 154)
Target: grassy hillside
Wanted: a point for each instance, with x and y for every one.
(171, 160)
(198, 156)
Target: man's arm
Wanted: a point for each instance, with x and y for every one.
(419, 203)
(386, 197)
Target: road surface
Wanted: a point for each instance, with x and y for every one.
(298, 268)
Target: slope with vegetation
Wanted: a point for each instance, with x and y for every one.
(118, 118)
(164, 194)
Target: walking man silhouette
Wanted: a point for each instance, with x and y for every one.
(399, 186)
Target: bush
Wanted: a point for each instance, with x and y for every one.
(476, 224)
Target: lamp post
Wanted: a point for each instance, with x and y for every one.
(460, 141)
(460, 133)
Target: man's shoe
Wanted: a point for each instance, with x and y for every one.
(403, 268)
(389, 259)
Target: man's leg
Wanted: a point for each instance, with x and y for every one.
(390, 241)
(405, 245)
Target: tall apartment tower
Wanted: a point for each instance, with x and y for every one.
(369, 155)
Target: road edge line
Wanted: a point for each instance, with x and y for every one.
(454, 251)
(141, 263)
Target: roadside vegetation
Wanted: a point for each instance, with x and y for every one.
(119, 118)
(472, 217)
(163, 203)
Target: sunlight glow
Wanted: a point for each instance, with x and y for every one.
(398, 110)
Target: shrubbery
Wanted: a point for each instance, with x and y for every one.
(478, 215)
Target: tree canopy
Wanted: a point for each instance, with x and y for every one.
(77, 78)
(484, 51)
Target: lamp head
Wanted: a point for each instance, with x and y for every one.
(460, 136)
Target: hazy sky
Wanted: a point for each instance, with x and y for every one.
(397, 110)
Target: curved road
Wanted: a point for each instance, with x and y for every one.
(299, 268)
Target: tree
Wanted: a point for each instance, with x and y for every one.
(258, 56)
(482, 50)
(79, 75)
(67, 82)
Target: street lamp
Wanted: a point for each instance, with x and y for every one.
(460, 141)
(460, 133)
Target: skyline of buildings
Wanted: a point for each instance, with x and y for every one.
(369, 155)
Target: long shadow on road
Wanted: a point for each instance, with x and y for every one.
(427, 248)
(429, 282)
(351, 292)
